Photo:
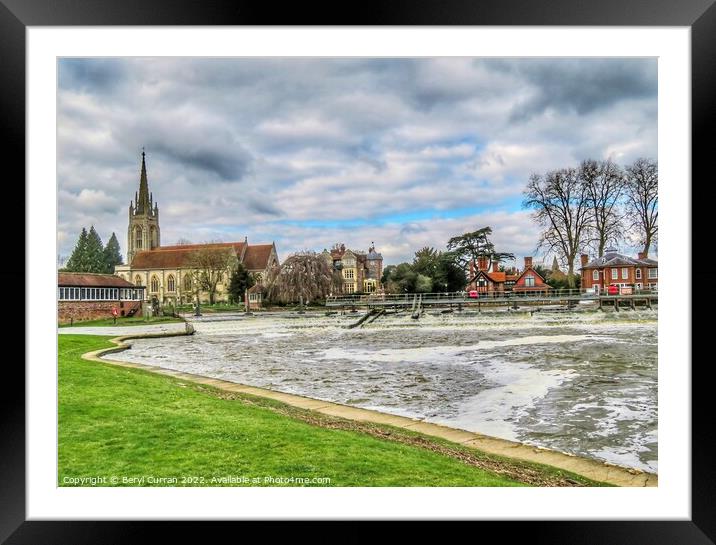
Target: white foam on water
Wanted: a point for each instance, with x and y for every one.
(496, 410)
(449, 353)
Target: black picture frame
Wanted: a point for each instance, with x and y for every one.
(16, 15)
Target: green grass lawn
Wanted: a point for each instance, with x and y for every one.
(115, 421)
(124, 320)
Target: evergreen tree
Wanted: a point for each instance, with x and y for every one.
(94, 253)
(78, 261)
(112, 255)
(241, 280)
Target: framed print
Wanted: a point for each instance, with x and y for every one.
(329, 276)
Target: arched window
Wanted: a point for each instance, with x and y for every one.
(153, 238)
(137, 280)
(187, 282)
(170, 283)
(154, 284)
(138, 238)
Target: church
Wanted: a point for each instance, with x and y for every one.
(171, 274)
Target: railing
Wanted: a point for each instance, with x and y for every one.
(467, 297)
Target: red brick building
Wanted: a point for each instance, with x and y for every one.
(86, 296)
(487, 279)
(615, 269)
(530, 281)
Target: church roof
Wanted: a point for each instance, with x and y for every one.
(92, 280)
(257, 256)
(176, 257)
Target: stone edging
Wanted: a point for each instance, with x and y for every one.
(591, 469)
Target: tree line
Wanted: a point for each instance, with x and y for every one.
(444, 270)
(594, 206)
(89, 255)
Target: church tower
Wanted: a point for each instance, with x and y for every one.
(143, 230)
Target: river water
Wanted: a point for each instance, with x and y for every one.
(579, 382)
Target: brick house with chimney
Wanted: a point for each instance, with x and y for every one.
(615, 269)
(529, 280)
(488, 279)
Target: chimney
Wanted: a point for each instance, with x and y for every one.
(585, 259)
(495, 266)
(482, 263)
(642, 255)
(528, 262)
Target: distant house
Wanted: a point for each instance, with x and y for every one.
(485, 279)
(615, 269)
(361, 271)
(85, 296)
(255, 297)
(529, 280)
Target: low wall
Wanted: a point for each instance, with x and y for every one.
(92, 310)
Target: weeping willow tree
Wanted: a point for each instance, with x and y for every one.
(306, 276)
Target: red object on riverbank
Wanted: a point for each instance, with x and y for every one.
(613, 290)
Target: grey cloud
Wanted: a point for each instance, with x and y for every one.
(263, 206)
(572, 84)
(230, 165)
(91, 75)
(201, 121)
(412, 228)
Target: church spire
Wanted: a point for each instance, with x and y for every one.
(143, 200)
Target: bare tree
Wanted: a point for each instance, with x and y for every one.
(642, 200)
(305, 275)
(209, 267)
(604, 186)
(561, 208)
(183, 242)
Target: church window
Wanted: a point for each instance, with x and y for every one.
(137, 280)
(154, 284)
(187, 282)
(138, 238)
(170, 283)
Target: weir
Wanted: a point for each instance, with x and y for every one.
(417, 302)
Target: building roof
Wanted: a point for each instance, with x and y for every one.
(92, 280)
(498, 276)
(534, 271)
(611, 258)
(257, 256)
(176, 257)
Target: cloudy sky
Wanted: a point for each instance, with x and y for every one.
(310, 152)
